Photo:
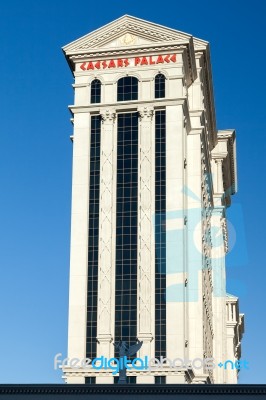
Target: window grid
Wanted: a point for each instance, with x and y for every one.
(94, 188)
(126, 229)
(96, 91)
(127, 88)
(159, 86)
(160, 234)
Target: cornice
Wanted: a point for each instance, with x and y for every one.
(157, 371)
(124, 51)
(126, 106)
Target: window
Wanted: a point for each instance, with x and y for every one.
(93, 239)
(127, 88)
(96, 91)
(159, 86)
(160, 234)
(126, 229)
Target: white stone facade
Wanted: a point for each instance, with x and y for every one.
(200, 179)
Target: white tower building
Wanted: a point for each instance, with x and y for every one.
(152, 179)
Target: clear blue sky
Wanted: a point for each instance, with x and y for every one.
(35, 158)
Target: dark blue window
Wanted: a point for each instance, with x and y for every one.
(93, 239)
(126, 229)
(160, 234)
(96, 91)
(159, 86)
(127, 88)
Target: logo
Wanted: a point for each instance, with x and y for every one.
(145, 364)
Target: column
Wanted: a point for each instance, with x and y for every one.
(219, 277)
(105, 318)
(219, 293)
(218, 177)
(146, 272)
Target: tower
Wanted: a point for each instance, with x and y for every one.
(152, 178)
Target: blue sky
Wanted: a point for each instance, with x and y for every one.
(35, 164)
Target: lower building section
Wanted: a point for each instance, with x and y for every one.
(155, 266)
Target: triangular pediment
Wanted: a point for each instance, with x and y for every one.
(128, 31)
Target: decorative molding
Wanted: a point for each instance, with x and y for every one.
(146, 113)
(207, 286)
(128, 39)
(225, 234)
(131, 106)
(125, 51)
(145, 224)
(108, 115)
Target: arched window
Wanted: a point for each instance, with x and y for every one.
(159, 86)
(96, 91)
(127, 88)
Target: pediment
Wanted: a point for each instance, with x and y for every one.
(128, 31)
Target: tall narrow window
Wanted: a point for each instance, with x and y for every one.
(159, 86)
(96, 91)
(160, 234)
(127, 88)
(126, 229)
(93, 240)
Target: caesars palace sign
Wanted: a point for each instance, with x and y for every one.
(126, 62)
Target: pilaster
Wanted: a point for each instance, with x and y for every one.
(146, 272)
(105, 313)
